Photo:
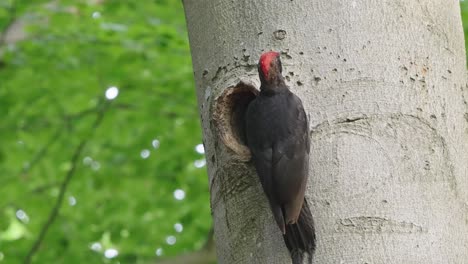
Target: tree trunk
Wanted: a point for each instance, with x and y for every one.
(384, 86)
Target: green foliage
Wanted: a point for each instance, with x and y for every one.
(464, 14)
(52, 88)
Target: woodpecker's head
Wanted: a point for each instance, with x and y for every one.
(269, 68)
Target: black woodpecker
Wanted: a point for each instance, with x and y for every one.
(277, 135)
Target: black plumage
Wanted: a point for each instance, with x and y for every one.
(277, 135)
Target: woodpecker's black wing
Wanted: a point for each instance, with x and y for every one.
(291, 161)
(276, 129)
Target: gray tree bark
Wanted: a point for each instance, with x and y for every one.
(384, 85)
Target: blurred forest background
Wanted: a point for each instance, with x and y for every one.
(101, 155)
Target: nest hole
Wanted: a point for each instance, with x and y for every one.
(229, 117)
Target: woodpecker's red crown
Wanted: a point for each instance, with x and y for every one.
(265, 61)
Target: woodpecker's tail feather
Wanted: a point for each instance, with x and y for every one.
(300, 237)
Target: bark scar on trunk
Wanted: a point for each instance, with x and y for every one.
(375, 224)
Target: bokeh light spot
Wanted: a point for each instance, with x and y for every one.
(178, 227)
(96, 15)
(171, 240)
(95, 165)
(87, 161)
(159, 252)
(200, 149)
(179, 194)
(199, 163)
(72, 201)
(21, 215)
(145, 153)
(111, 253)
(96, 246)
(112, 93)
(155, 143)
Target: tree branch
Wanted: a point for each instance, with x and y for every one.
(67, 119)
(45, 187)
(63, 188)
